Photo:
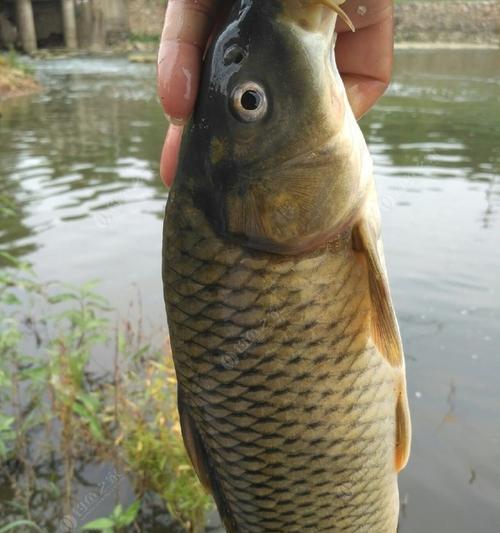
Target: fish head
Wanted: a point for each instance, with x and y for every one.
(273, 154)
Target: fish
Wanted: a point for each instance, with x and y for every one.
(289, 361)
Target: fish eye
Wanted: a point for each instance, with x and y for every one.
(249, 102)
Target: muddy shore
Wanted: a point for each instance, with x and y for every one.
(448, 22)
(15, 82)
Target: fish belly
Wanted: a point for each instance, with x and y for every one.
(293, 403)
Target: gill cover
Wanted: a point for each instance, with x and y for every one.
(273, 155)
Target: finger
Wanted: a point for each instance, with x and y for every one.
(170, 154)
(365, 58)
(187, 26)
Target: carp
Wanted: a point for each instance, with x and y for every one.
(290, 367)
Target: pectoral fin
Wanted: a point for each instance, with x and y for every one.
(384, 326)
(385, 332)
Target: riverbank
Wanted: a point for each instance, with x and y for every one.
(15, 78)
(459, 22)
(443, 45)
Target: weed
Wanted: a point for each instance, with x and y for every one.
(118, 519)
(12, 60)
(57, 415)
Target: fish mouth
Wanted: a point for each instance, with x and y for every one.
(334, 5)
(307, 13)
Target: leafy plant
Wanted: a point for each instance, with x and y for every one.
(12, 60)
(20, 523)
(152, 443)
(7, 434)
(57, 414)
(118, 519)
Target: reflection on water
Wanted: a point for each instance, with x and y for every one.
(79, 164)
(434, 138)
(81, 199)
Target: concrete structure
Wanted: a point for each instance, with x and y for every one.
(26, 25)
(69, 24)
(74, 24)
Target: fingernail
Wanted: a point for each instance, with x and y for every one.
(170, 154)
(176, 121)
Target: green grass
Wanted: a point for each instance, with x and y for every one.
(144, 38)
(56, 414)
(14, 61)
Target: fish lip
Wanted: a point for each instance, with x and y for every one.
(313, 14)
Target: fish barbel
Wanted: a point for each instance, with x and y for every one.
(291, 381)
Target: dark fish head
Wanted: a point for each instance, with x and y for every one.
(273, 154)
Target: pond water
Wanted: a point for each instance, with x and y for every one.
(79, 163)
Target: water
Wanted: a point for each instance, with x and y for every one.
(79, 163)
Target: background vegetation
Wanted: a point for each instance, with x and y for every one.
(15, 75)
(59, 413)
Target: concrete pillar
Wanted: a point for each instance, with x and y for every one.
(26, 25)
(69, 24)
(90, 25)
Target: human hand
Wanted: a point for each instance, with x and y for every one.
(364, 60)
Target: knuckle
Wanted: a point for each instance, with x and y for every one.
(194, 7)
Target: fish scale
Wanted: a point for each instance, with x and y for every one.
(292, 401)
